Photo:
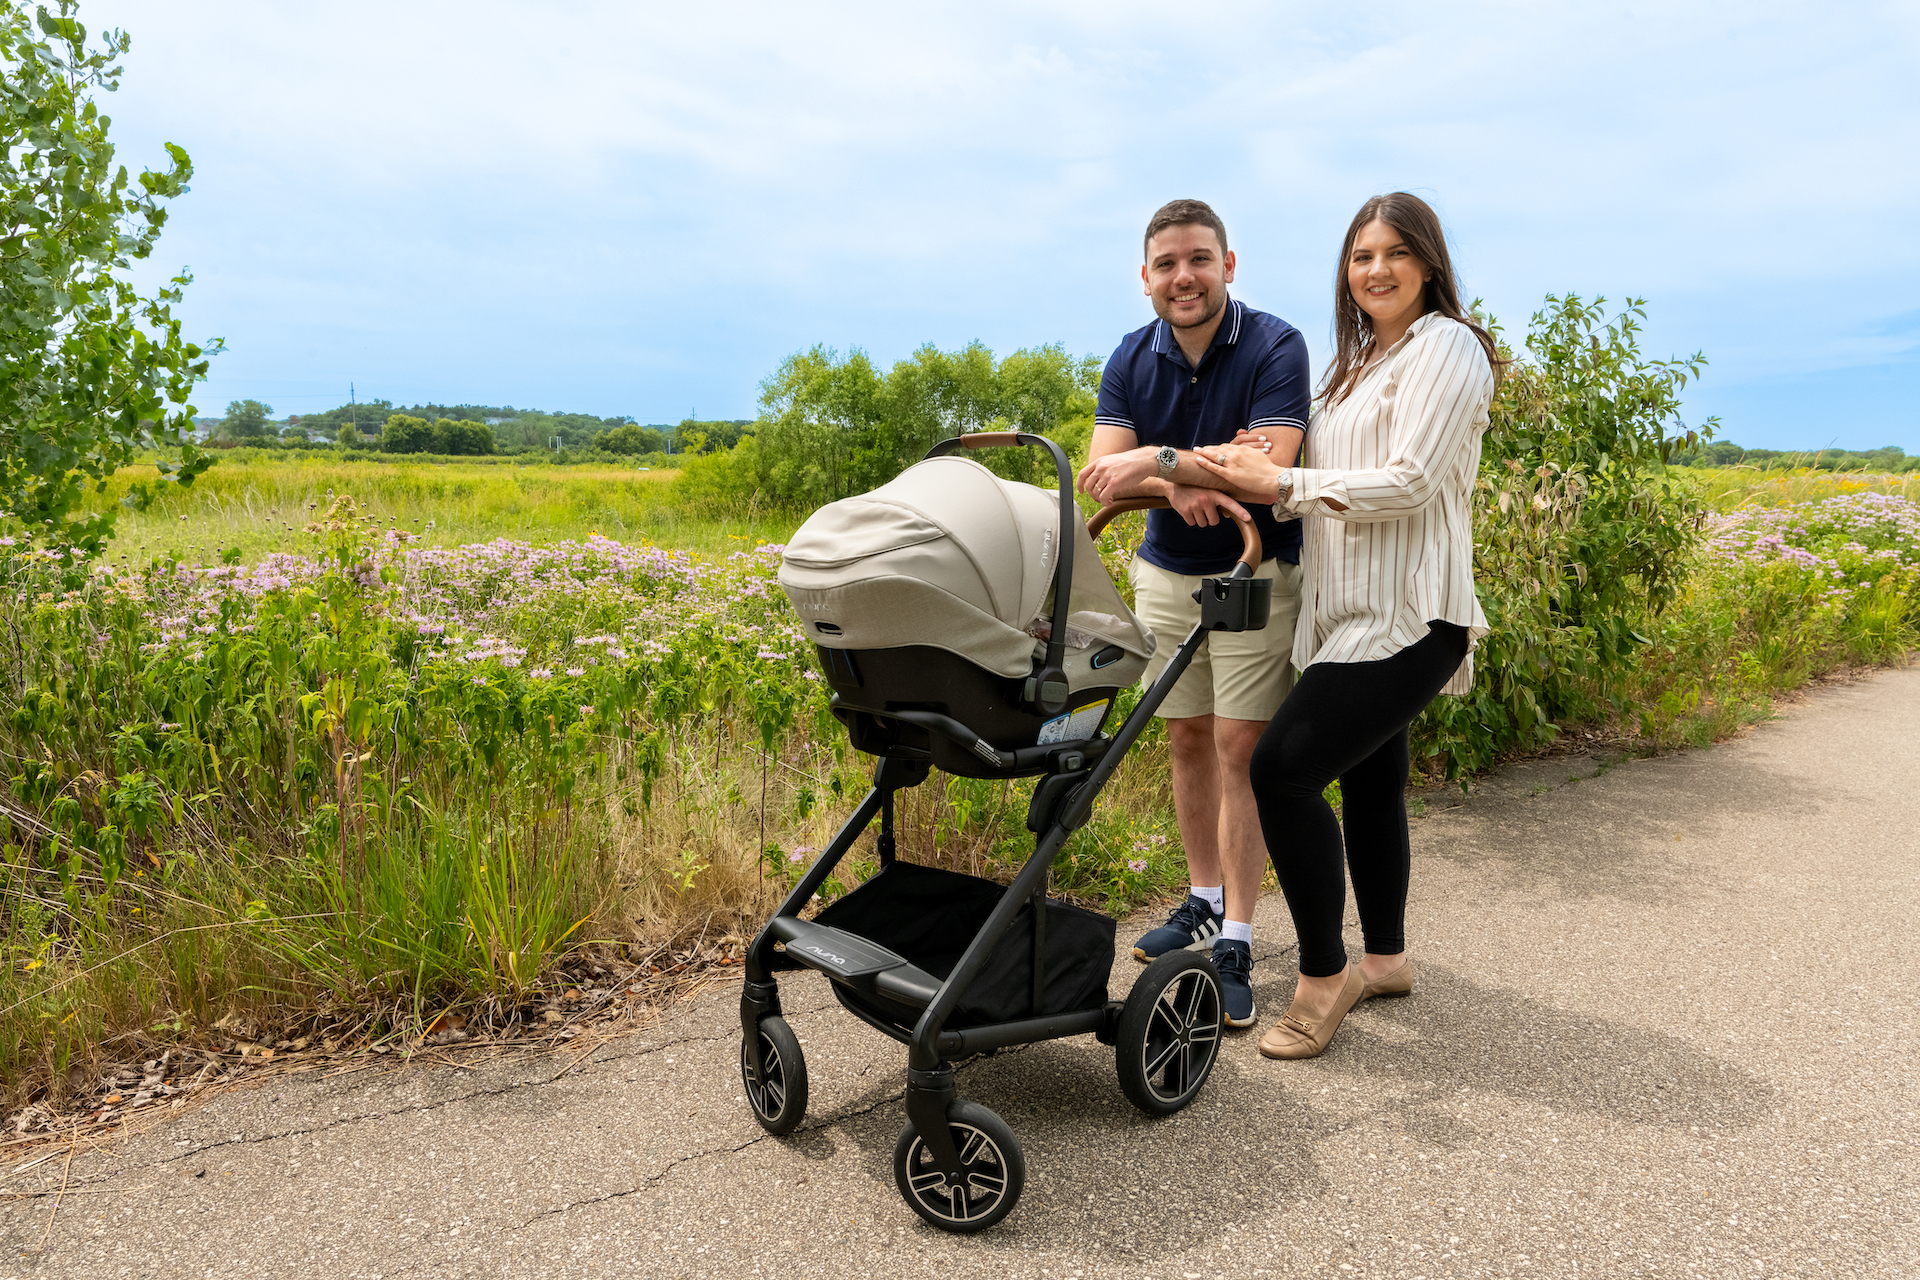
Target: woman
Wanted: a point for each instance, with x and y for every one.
(1388, 615)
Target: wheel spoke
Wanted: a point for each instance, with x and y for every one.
(986, 1182)
(1160, 1060)
(926, 1181)
(1196, 1061)
(1177, 1074)
(974, 1138)
(1165, 1015)
(1194, 988)
(1205, 1031)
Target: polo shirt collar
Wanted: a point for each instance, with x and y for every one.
(1225, 336)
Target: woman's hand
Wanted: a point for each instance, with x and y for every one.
(1243, 466)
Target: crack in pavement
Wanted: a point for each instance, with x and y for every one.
(814, 1126)
(591, 1059)
(534, 1083)
(646, 1185)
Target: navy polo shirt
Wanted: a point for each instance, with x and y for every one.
(1253, 375)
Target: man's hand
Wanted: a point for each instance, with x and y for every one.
(1118, 475)
(1198, 506)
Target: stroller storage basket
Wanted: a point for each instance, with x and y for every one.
(928, 916)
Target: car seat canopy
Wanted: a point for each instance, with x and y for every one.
(949, 555)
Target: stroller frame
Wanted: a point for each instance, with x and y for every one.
(957, 1164)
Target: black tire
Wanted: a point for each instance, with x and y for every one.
(994, 1172)
(1170, 1032)
(779, 1100)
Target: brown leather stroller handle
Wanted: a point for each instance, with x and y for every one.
(1249, 536)
(989, 439)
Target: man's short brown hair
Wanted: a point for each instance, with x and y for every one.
(1177, 213)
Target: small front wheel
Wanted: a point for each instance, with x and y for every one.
(993, 1171)
(1169, 1032)
(777, 1092)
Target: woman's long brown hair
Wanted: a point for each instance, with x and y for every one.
(1419, 226)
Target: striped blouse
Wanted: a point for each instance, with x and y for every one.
(1400, 453)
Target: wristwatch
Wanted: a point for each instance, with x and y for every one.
(1168, 458)
(1282, 490)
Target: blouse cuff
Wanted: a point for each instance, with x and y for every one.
(1290, 495)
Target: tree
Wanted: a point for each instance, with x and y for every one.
(831, 427)
(347, 438)
(406, 434)
(93, 372)
(246, 419)
(632, 439)
(464, 438)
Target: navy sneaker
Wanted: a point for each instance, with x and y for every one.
(1193, 926)
(1233, 961)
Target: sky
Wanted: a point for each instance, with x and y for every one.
(641, 209)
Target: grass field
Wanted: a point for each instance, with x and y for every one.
(1732, 487)
(260, 506)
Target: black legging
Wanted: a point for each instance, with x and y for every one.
(1347, 720)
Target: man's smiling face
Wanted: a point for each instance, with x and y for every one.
(1186, 274)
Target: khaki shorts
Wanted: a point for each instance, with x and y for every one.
(1242, 675)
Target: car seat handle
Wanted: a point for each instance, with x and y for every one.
(1250, 549)
(1046, 689)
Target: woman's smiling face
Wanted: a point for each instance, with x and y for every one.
(1387, 280)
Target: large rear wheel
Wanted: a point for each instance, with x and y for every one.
(1170, 1032)
(993, 1171)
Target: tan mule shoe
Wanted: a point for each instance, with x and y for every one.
(1397, 983)
(1295, 1036)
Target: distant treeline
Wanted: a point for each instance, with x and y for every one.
(1724, 453)
(469, 430)
(830, 425)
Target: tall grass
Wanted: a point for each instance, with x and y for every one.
(1729, 488)
(1779, 595)
(259, 505)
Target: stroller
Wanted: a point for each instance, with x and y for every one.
(964, 622)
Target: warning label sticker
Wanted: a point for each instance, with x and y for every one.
(1081, 722)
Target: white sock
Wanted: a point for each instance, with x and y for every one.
(1215, 895)
(1238, 931)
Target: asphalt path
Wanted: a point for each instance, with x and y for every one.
(1664, 1025)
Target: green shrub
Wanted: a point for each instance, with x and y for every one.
(717, 483)
(1582, 534)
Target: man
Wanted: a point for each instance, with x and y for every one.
(1207, 369)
